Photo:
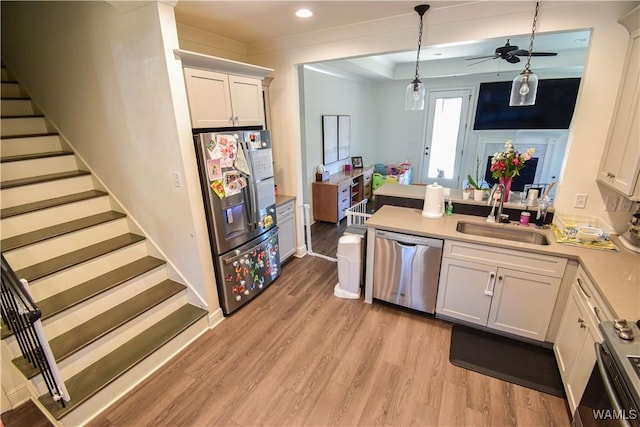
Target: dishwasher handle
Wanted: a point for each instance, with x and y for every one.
(408, 240)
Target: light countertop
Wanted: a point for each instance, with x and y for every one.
(616, 274)
(281, 199)
(453, 194)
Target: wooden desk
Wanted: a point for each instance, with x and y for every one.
(332, 198)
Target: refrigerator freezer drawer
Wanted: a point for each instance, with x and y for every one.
(406, 270)
(245, 272)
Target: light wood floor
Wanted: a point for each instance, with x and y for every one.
(299, 356)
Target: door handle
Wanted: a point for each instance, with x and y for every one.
(491, 283)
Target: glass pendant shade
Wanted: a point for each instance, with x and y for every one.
(524, 89)
(414, 96)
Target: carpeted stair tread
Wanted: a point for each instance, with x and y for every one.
(104, 371)
(90, 331)
(35, 156)
(50, 203)
(43, 234)
(13, 183)
(78, 256)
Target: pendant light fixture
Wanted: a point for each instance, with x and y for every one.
(525, 86)
(414, 95)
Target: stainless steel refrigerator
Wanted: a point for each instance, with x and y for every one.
(236, 175)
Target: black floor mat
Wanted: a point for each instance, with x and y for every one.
(507, 359)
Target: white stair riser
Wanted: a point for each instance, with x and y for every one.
(23, 126)
(16, 107)
(106, 344)
(43, 166)
(30, 145)
(134, 376)
(80, 313)
(51, 248)
(70, 277)
(74, 316)
(24, 223)
(10, 90)
(45, 190)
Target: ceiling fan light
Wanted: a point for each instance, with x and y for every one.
(414, 96)
(524, 89)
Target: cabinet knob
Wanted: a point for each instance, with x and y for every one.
(499, 277)
(581, 322)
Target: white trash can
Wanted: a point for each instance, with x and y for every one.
(349, 257)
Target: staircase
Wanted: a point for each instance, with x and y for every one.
(109, 309)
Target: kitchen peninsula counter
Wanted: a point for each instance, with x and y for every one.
(616, 274)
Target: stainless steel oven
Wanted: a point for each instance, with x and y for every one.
(612, 395)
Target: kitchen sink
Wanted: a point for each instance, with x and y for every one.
(505, 232)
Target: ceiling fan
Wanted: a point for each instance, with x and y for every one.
(509, 53)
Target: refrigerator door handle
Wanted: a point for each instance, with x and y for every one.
(253, 196)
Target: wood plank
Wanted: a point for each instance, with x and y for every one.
(50, 203)
(58, 230)
(87, 253)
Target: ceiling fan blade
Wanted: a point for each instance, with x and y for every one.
(544, 53)
(484, 60)
(482, 57)
(512, 59)
(522, 52)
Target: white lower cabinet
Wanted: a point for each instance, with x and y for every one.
(506, 290)
(285, 215)
(577, 334)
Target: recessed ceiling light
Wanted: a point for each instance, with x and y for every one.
(304, 13)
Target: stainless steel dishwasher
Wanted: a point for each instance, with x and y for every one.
(406, 270)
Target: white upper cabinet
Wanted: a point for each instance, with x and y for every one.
(223, 93)
(620, 162)
(222, 100)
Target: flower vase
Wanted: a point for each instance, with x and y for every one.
(506, 181)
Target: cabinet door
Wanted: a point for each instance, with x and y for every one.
(325, 202)
(366, 179)
(287, 230)
(523, 303)
(571, 335)
(246, 101)
(465, 290)
(621, 159)
(209, 98)
(583, 366)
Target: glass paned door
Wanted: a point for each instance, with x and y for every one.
(446, 126)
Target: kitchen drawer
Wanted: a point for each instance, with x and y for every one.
(518, 260)
(284, 210)
(598, 310)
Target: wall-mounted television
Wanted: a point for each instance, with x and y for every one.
(555, 102)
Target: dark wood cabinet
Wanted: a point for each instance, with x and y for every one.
(332, 198)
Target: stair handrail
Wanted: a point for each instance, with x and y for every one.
(22, 316)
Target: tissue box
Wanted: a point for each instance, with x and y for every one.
(324, 176)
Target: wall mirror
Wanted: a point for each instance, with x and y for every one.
(336, 135)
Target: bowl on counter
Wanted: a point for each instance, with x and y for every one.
(589, 234)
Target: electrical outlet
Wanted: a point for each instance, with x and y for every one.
(611, 203)
(580, 201)
(625, 205)
(175, 177)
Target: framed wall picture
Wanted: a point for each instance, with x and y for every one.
(336, 138)
(329, 139)
(356, 161)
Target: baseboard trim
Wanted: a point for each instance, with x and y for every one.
(215, 318)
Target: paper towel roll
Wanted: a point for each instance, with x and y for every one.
(433, 201)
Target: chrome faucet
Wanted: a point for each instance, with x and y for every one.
(498, 214)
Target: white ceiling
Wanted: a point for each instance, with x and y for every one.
(251, 21)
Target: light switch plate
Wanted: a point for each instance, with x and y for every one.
(580, 201)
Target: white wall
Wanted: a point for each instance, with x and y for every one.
(329, 95)
(106, 77)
